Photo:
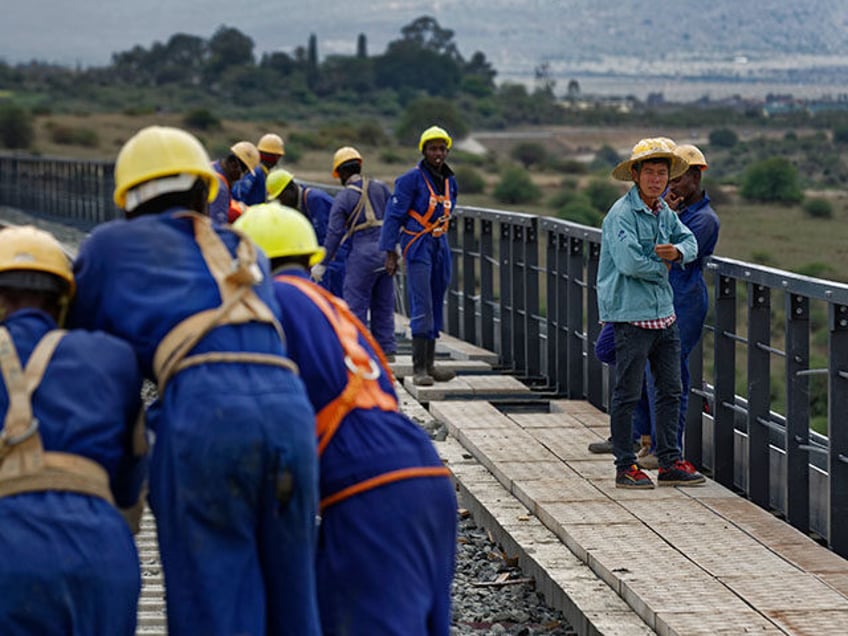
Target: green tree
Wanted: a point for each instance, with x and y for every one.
(723, 138)
(469, 180)
(771, 180)
(427, 111)
(529, 153)
(602, 193)
(229, 47)
(16, 130)
(516, 187)
(361, 46)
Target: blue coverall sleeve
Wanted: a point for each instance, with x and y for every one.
(243, 187)
(396, 211)
(705, 227)
(336, 225)
(627, 252)
(89, 294)
(683, 239)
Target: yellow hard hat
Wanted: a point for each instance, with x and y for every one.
(247, 152)
(651, 148)
(692, 155)
(434, 132)
(280, 231)
(272, 144)
(276, 182)
(26, 249)
(342, 156)
(163, 159)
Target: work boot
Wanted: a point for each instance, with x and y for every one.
(645, 457)
(420, 377)
(439, 375)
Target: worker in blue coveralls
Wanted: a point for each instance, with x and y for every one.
(417, 216)
(388, 509)
(355, 219)
(233, 475)
(69, 402)
(250, 189)
(315, 204)
(241, 160)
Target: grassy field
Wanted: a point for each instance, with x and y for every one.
(778, 236)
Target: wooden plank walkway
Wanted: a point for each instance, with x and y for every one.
(672, 561)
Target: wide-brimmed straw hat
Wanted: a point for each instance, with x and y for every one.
(651, 148)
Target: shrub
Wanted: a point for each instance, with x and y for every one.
(581, 211)
(606, 157)
(840, 134)
(565, 195)
(529, 153)
(201, 119)
(602, 194)
(772, 180)
(818, 208)
(723, 138)
(16, 130)
(516, 186)
(469, 180)
(70, 136)
(816, 270)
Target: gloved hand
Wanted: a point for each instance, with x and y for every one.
(317, 272)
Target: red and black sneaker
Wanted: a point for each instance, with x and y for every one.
(632, 477)
(680, 473)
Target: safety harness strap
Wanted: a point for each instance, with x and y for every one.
(435, 226)
(24, 464)
(240, 304)
(381, 480)
(363, 389)
(363, 205)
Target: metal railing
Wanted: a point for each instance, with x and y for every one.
(523, 286)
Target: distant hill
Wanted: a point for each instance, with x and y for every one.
(762, 40)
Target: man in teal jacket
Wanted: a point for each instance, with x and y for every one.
(641, 238)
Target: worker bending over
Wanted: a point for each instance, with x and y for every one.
(388, 509)
(69, 402)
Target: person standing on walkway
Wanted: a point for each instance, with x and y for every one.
(641, 239)
(418, 216)
(388, 508)
(315, 204)
(243, 158)
(233, 477)
(250, 189)
(356, 219)
(69, 401)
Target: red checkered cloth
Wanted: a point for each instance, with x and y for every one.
(656, 323)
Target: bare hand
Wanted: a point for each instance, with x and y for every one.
(391, 263)
(673, 200)
(667, 252)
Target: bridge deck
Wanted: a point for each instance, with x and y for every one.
(670, 560)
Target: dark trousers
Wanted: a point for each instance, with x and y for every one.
(660, 348)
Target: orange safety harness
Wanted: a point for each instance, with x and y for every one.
(24, 464)
(437, 226)
(239, 304)
(363, 390)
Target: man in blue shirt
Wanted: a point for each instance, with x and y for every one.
(250, 189)
(641, 240)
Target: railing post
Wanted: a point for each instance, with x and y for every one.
(725, 377)
(452, 300)
(693, 438)
(519, 299)
(594, 367)
(759, 392)
(531, 273)
(562, 334)
(469, 281)
(487, 286)
(552, 276)
(837, 430)
(507, 315)
(574, 322)
(797, 411)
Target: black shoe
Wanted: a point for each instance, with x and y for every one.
(632, 478)
(680, 473)
(601, 447)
